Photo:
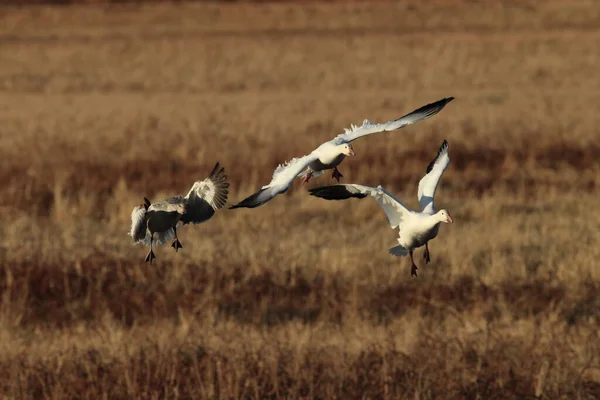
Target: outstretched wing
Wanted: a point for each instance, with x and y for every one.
(206, 196)
(283, 176)
(428, 184)
(394, 209)
(369, 127)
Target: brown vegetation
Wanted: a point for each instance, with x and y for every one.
(299, 298)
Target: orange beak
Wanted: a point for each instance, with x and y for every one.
(351, 152)
(449, 219)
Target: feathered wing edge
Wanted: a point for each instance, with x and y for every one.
(368, 127)
(393, 208)
(337, 192)
(206, 197)
(279, 175)
(254, 200)
(426, 111)
(433, 174)
(443, 150)
(218, 178)
(283, 176)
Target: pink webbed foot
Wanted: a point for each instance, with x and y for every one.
(307, 177)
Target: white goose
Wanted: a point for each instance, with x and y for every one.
(157, 222)
(415, 228)
(330, 154)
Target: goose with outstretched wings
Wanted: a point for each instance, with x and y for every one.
(330, 154)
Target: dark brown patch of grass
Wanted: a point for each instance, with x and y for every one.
(299, 298)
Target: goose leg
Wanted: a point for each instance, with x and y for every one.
(426, 254)
(413, 266)
(308, 176)
(336, 174)
(176, 244)
(150, 255)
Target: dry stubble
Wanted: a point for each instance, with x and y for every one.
(299, 298)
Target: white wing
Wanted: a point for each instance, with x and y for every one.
(283, 176)
(369, 127)
(206, 196)
(428, 184)
(394, 209)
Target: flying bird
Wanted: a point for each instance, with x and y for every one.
(157, 222)
(330, 154)
(415, 228)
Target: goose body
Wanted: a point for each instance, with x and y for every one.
(415, 228)
(331, 154)
(157, 222)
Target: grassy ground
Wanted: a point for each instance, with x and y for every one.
(102, 105)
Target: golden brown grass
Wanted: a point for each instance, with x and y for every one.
(102, 105)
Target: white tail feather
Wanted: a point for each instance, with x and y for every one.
(398, 251)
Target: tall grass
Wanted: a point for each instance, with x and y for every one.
(299, 298)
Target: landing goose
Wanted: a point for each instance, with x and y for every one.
(330, 154)
(157, 222)
(415, 228)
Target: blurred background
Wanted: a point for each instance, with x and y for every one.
(103, 103)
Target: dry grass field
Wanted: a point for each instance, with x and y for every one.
(101, 105)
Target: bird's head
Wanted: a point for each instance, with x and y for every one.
(444, 216)
(346, 149)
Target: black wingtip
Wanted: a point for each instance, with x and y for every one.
(444, 101)
(429, 110)
(218, 177)
(335, 192)
(313, 192)
(440, 104)
(217, 171)
(251, 201)
(239, 205)
(147, 203)
(442, 149)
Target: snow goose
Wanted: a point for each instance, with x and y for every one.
(330, 154)
(157, 222)
(415, 229)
